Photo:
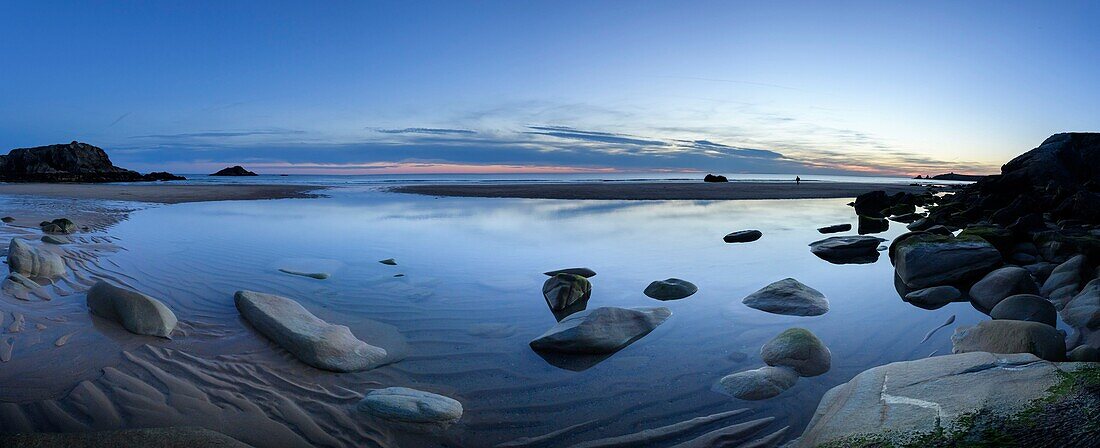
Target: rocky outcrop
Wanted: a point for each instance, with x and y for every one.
(310, 339)
(34, 261)
(235, 170)
(789, 297)
(903, 402)
(410, 405)
(715, 178)
(73, 162)
(599, 331)
(136, 312)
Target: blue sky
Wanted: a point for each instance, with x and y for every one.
(363, 87)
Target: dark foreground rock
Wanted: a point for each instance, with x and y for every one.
(235, 170)
(999, 284)
(742, 236)
(73, 162)
(789, 297)
(835, 228)
(924, 260)
(918, 403)
(599, 331)
(933, 298)
(136, 312)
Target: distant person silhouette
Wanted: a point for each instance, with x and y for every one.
(797, 180)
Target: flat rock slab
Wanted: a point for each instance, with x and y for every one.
(743, 236)
(410, 405)
(310, 339)
(847, 249)
(835, 228)
(670, 289)
(788, 297)
(601, 330)
(136, 312)
(903, 399)
(583, 272)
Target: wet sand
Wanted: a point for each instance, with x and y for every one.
(159, 193)
(660, 191)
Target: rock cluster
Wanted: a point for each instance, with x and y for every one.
(793, 353)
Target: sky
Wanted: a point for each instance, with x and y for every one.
(890, 88)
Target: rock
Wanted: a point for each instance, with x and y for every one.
(743, 236)
(999, 237)
(925, 260)
(1022, 259)
(316, 275)
(939, 230)
(602, 330)
(136, 312)
(60, 225)
(1084, 353)
(1041, 271)
(23, 281)
(310, 339)
(565, 290)
(898, 209)
(1027, 307)
(835, 228)
(757, 384)
(671, 289)
(74, 162)
(1010, 336)
(872, 203)
(410, 405)
(235, 170)
(788, 297)
(1001, 283)
(1064, 281)
(162, 176)
(715, 178)
(921, 224)
(389, 262)
(847, 249)
(933, 298)
(905, 402)
(799, 350)
(868, 225)
(1083, 311)
(34, 261)
(7, 219)
(54, 239)
(906, 217)
(583, 272)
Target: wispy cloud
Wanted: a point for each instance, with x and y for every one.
(219, 134)
(429, 131)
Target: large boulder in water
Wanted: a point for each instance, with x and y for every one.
(923, 260)
(1010, 336)
(136, 312)
(757, 384)
(599, 331)
(847, 249)
(310, 339)
(34, 261)
(999, 284)
(566, 290)
(799, 350)
(789, 297)
(410, 405)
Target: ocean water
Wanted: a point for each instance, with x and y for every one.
(467, 303)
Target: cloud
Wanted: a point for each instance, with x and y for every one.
(593, 136)
(218, 134)
(430, 131)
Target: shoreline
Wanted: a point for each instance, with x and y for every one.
(660, 191)
(159, 193)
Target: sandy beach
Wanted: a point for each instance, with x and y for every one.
(158, 192)
(658, 191)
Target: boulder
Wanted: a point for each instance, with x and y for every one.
(310, 339)
(1083, 311)
(872, 203)
(1064, 281)
(906, 217)
(847, 249)
(788, 297)
(1084, 353)
(54, 239)
(1001, 283)
(34, 261)
(925, 260)
(868, 225)
(600, 331)
(715, 178)
(757, 384)
(799, 350)
(410, 405)
(1010, 336)
(743, 236)
(565, 290)
(7, 219)
(1041, 271)
(60, 225)
(671, 289)
(999, 237)
(136, 312)
(933, 298)
(583, 272)
(835, 228)
(235, 170)
(162, 176)
(1027, 307)
(905, 402)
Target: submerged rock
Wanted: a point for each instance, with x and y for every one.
(316, 275)
(835, 228)
(999, 284)
(933, 298)
(1010, 336)
(410, 405)
(924, 260)
(847, 249)
(583, 272)
(671, 289)
(389, 262)
(1027, 307)
(566, 290)
(34, 261)
(602, 330)
(310, 339)
(757, 384)
(789, 297)
(136, 312)
(742, 236)
(7, 219)
(799, 350)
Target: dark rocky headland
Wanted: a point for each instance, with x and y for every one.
(73, 162)
(235, 170)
